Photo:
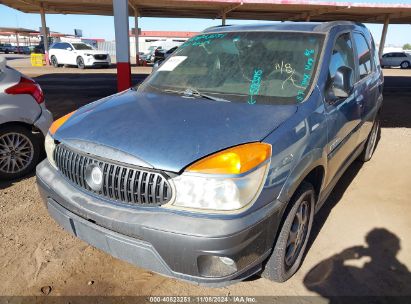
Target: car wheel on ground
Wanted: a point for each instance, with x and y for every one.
(19, 151)
(405, 65)
(292, 240)
(54, 61)
(371, 142)
(80, 63)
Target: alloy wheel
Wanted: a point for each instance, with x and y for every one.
(297, 234)
(16, 152)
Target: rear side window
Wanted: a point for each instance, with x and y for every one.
(363, 55)
(342, 55)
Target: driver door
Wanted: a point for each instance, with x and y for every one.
(343, 114)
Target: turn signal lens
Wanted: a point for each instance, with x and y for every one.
(59, 122)
(234, 160)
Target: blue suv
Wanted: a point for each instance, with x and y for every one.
(213, 168)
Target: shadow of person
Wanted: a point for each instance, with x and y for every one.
(373, 270)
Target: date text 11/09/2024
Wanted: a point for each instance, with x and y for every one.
(202, 299)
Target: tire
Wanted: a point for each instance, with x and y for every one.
(13, 139)
(279, 266)
(371, 142)
(405, 65)
(80, 63)
(54, 61)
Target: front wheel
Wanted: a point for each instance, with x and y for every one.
(80, 63)
(19, 152)
(405, 65)
(293, 238)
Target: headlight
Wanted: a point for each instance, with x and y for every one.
(87, 54)
(50, 145)
(225, 181)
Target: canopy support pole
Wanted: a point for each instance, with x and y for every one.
(44, 32)
(136, 42)
(121, 27)
(384, 35)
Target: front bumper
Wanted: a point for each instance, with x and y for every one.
(91, 61)
(172, 243)
(44, 121)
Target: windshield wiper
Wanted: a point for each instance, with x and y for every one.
(191, 92)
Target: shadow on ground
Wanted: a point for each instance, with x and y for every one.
(372, 270)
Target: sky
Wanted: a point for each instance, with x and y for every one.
(103, 26)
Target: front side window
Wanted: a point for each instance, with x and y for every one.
(363, 55)
(342, 55)
(82, 46)
(247, 67)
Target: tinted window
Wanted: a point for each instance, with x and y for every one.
(364, 55)
(400, 55)
(65, 45)
(342, 55)
(82, 46)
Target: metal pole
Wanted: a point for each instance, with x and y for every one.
(121, 27)
(17, 39)
(223, 18)
(44, 32)
(384, 35)
(136, 35)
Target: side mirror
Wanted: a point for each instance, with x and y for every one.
(341, 85)
(69, 49)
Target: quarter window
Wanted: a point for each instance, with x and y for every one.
(342, 55)
(363, 55)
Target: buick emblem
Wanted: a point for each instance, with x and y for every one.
(94, 177)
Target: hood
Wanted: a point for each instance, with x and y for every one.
(169, 132)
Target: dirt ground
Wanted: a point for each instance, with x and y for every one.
(360, 244)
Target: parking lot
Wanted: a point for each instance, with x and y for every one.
(361, 234)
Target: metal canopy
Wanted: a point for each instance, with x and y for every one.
(280, 10)
(17, 30)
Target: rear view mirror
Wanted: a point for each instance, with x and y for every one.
(341, 85)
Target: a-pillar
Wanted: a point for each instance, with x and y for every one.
(121, 27)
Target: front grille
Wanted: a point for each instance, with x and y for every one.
(120, 183)
(100, 57)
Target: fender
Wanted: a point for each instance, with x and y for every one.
(312, 159)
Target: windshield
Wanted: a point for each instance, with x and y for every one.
(82, 46)
(250, 67)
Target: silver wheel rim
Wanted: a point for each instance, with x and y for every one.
(373, 139)
(16, 152)
(405, 64)
(80, 62)
(297, 234)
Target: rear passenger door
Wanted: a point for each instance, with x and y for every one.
(343, 115)
(368, 84)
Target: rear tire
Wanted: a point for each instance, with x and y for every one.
(371, 142)
(54, 61)
(292, 240)
(20, 152)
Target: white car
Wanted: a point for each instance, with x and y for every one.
(394, 59)
(24, 123)
(77, 53)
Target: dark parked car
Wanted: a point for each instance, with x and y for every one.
(160, 54)
(212, 170)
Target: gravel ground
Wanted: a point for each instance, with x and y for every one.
(360, 243)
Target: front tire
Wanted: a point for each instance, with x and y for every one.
(293, 237)
(405, 65)
(19, 152)
(80, 63)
